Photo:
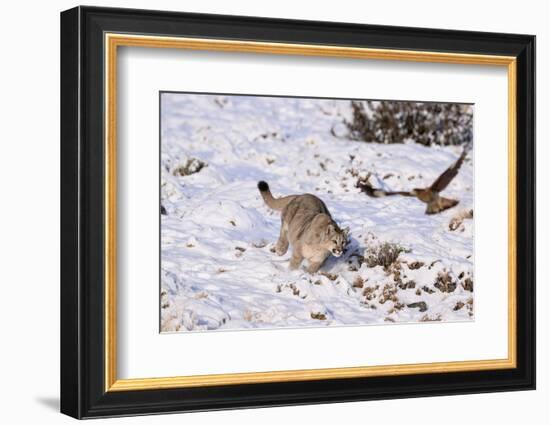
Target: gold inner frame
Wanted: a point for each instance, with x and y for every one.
(113, 41)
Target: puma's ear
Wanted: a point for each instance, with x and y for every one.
(330, 229)
(346, 230)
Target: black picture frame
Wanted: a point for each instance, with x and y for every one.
(83, 392)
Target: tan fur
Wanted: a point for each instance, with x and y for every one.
(307, 225)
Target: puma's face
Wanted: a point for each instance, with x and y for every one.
(337, 240)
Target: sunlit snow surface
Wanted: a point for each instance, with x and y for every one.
(217, 267)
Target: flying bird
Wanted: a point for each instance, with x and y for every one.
(429, 195)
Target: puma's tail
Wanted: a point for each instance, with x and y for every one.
(275, 203)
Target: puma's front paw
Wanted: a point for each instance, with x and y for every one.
(295, 263)
(294, 266)
(281, 247)
(281, 251)
(313, 268)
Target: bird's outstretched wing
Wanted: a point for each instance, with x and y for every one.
(449, 174)
(366, 187)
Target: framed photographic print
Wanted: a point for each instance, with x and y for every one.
(261, 212)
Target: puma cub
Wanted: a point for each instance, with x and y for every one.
(306, 224)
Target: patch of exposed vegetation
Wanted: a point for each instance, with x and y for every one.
(191, 166)
(240, 251)
(428, 318)
(470, 306)
(164, 303)
(384, 254)
(370, 292)
(429, 124)
(292, 288)
(329, 276)
(468, 284)
(359, 282)
(411, 284)
(318, 316)
(415, 265)
(444, 282)
(458, 306)
(388, 294)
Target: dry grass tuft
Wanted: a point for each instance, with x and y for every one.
(191, 166)
(329, 276)
(444, 282)
(415, 265)
(468, 284)
(388, 294)
(318, 316)
(384, 254)
(359, 282)
(427, 318)
(458, 306)
(370, 292)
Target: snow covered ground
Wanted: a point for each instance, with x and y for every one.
(218, 270)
